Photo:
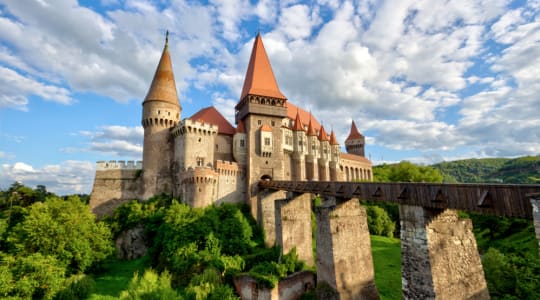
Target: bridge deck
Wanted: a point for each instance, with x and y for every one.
(510, 200)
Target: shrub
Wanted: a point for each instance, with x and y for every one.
(77, 287)
(150, 286)
(379, 223)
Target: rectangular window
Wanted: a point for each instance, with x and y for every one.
(267, 141)
(259, 122)
(242, 143)
(273, 123)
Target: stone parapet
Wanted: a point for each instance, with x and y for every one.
(118, 165)
(290, 288)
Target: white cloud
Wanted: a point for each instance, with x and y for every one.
(116, 141)
(68, 177)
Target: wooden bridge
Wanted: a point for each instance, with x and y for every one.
(507, 200)
(438, 250)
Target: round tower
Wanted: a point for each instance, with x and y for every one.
(355, 142)
(161, 112)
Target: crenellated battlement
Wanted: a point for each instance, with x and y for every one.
(118, 165)
(199, 175)
(188, 126)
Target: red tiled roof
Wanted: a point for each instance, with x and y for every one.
(304, 115)
(240, 128)
(260, 79)
(354, 134)
(266, 128)
(333, 140)
(163, 87)
(212, 116)
(354, 157)
(298, 126)
(322, 135)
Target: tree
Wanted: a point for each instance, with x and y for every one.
(66, 230)
(406, 172)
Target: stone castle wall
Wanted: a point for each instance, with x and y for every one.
(114, 184)
(231, 182)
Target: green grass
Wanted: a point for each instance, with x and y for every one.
(387, 262)
(115, 277)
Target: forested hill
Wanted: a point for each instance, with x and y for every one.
(496, 170)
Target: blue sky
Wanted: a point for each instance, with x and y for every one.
(425, 81)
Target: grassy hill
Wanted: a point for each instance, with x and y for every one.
(499, 170)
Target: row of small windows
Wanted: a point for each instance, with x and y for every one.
(156, 121)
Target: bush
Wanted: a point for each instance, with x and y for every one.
(77, 287)
(379, 223)
(150, 286)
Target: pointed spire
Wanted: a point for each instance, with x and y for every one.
(298, 123)
(240, 128)
(333, 140)
(260, 78)
(322, 135)
(310, 129)
(163, 87)
(354, 134)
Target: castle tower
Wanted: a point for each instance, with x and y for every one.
(312, 169)
(334, 157)
(324, 156)
(261, 108)
(239, 144)
(355, 142)
(299, 149)
(161, 111)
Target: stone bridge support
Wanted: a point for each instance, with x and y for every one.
(293, 225)
(344, 260)
(266, 213)
(535, 203)
(439, 256)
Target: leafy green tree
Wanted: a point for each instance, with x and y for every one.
(379, 223)
(66, 230)
(406, 172)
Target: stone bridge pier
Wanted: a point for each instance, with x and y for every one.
(439, 256)
(344, 260)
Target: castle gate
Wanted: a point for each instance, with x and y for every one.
(439, 252)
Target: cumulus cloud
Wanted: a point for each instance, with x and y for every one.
(417, 75)
(68, 177)
(116, 141)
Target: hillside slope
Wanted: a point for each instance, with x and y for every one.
(500, 170)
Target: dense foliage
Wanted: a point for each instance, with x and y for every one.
(405, 172)
(500, 170)
(204, 248)
(46, 243)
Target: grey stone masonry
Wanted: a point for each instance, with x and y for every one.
(293, 225)
(266, 214)
(535, 203)
(344, 260)
(440, 259)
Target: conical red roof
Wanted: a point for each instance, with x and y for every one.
(333, 140)
(298, 123)
(322, 135)
(260, 78)
(163, 87)
(311, 130)
(354, 134)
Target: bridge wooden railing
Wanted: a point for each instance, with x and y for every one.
(510, 200)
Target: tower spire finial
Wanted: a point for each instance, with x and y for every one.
(167, 38)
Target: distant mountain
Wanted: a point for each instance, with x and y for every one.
(495, 170)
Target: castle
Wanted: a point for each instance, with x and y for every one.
(204, 159)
